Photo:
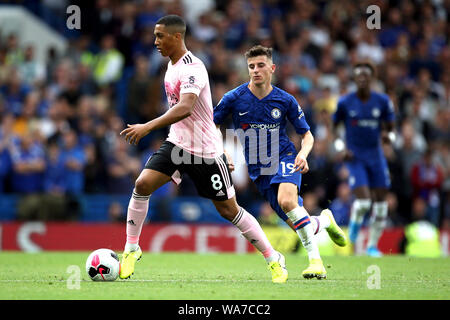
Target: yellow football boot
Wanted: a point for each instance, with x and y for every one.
(334, 231)
(315, 270)
(129, 259)
(278, 270)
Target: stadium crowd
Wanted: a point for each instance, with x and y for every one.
(60, 121)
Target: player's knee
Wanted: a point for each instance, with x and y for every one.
(287, 203)
(362, 205)
(227, 213)
(227, 210)
(142, 186)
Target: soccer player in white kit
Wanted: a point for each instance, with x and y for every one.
(193, 147)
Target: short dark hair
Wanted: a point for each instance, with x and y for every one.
(367, 64)
(257, 51)
(175, 21)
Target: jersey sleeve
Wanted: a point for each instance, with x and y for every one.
(296, 116)
(193, 79)
(388, 114)
(339, 114)
(223, 108)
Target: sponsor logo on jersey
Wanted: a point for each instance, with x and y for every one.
(261, 126)
(376, 113)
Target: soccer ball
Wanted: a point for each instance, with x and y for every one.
(103, 265)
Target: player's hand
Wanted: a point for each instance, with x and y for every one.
(229, 160)
(348, 155)
(301, 164)
(385, 138)
(134, 133)
(388, 137)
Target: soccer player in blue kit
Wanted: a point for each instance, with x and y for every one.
(260, 112)
(368, 118)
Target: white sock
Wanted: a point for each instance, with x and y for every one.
(319, 223)
(275, 256)
(359, 209)
(131, 246)
(305, 230)
(377, 222)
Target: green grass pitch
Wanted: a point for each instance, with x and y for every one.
(184, 276)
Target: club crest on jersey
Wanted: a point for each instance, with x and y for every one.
(276, 113)
(376, 113)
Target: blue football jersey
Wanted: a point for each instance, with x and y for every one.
(363, 120)
(261, 124)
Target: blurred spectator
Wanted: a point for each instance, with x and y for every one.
(109, 62)
(144, 93)
(123, 169)
(14, 92)
(31, 70)
(94, 171)
(28, 164)
(268, 217)
(421, 236)
(393, 216)
(204, 30)
(14, 53)
(369, 48)
(74, 160)
(150, 12)
(126, 31)
(311, 203)
(6, 144)
(53, 201)
(117, 212)
(390, 34)
(426, 179)
(55, 175)
(342, 204)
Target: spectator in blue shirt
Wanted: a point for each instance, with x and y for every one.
(55, 175)
(14, 92)
(28, 161)
(74, 160)
(342, 204)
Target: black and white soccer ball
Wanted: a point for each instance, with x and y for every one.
(103, 265)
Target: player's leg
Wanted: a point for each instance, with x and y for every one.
(252, 231)
(358, 181)
(147, 182)
(158, 171)
(324, 221)
(377, 221)
(289, 202)
(213, 180)
(379, 181)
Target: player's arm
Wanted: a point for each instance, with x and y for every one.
(388, 133)
(178, 112)
(301, 164)
(221, 111)
(388, 125)
(229, 158)
(337, 120)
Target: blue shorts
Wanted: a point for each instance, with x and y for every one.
(268, 184)
(372, 172)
